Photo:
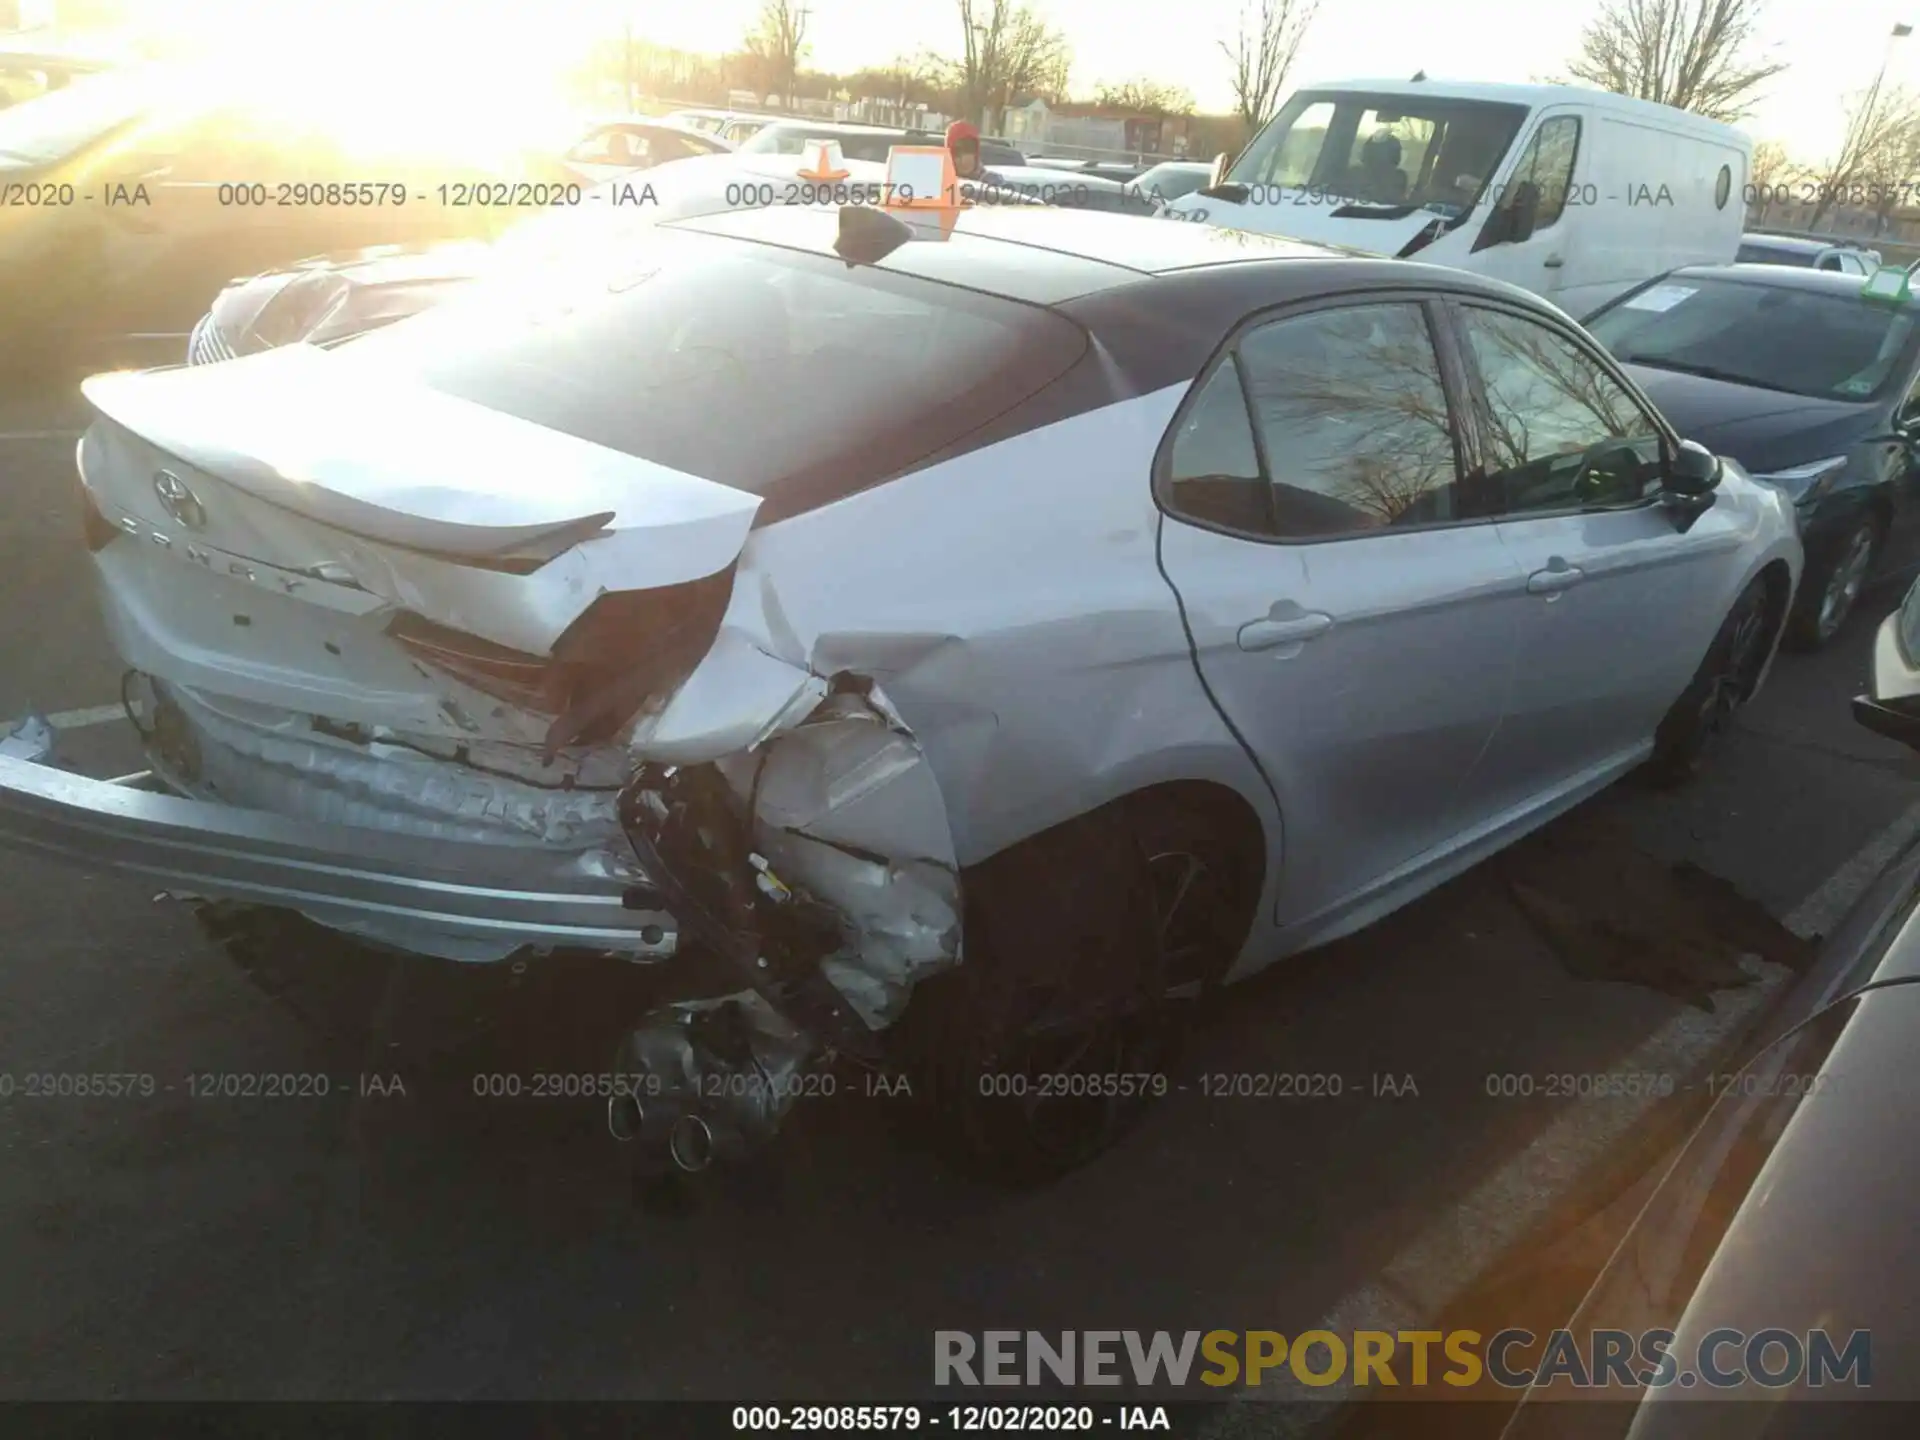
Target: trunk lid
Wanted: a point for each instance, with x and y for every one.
(308, 431)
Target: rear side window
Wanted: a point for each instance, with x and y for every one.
(1348, 417)
(740, 363)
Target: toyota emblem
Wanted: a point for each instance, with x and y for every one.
(182, 504)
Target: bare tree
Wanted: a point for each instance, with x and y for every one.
(1010, 51)
(1886, 180)
(1770, 174)
(778, 39)
(1695, 55)
(1262, 53)
(1145, 97)
(1881, 128)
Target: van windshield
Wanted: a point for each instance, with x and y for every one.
(1390, 151)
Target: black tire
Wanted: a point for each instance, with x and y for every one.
(1206, 872)
(1063, 990)
(1724, 682)
(1830, 591)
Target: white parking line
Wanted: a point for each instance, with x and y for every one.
(81, 719)
(1446, 1258)
(41, 434)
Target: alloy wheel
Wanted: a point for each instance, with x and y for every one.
(1844, 584)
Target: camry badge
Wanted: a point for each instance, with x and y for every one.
(181, 503)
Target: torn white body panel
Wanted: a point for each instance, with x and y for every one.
(847, 808)
(218, 749)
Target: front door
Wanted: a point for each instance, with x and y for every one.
(1355, 626)
(1621, 605)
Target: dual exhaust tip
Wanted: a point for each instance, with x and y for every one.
(689, 1138)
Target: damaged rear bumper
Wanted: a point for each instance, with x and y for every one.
(348, 876)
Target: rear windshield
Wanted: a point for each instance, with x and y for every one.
(1384, 150)
(1842, 348)
(854, 145)
(1774, 255)
(777, 372)
(1170, 182)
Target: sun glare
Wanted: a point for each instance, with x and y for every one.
(470, 85)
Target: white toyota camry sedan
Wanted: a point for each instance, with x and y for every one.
(941, 642)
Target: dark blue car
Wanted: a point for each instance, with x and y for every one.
(1808, 383)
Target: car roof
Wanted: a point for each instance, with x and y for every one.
(1792, 244)
(649, 122)
(1776, 277)
(1537, 96)
(1038, 254)
(838, 127)
(1060, 179)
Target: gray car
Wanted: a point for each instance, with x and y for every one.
(936, 640)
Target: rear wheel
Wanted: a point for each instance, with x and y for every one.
(1051, 1039)
(1724, 682)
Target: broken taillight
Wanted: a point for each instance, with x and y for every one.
(531, 682)
(624, 650)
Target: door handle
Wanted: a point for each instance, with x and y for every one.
(1556, 577)
(1553, 262)
(1293, 629)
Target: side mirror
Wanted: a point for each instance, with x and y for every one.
(1221, 164)
(1525, 206)
(1688, 483)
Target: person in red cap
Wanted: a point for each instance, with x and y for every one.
(963, 143)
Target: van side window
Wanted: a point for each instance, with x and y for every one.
(1548, 163)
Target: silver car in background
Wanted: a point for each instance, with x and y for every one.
(936, 642)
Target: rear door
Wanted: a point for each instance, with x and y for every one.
(1353, 619)
(1621, 606)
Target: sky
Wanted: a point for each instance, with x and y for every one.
(1834, 46)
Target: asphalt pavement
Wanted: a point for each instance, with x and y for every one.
(370, 1243)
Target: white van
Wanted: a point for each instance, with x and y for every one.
(1574, 194)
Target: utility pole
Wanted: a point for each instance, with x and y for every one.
(626, 61)
(800, 17)
(1899, 32)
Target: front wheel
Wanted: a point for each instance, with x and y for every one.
(1831, 589)
(1724, 682)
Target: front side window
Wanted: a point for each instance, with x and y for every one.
(1342, 416)
(1559, 432)
(1547, 166)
